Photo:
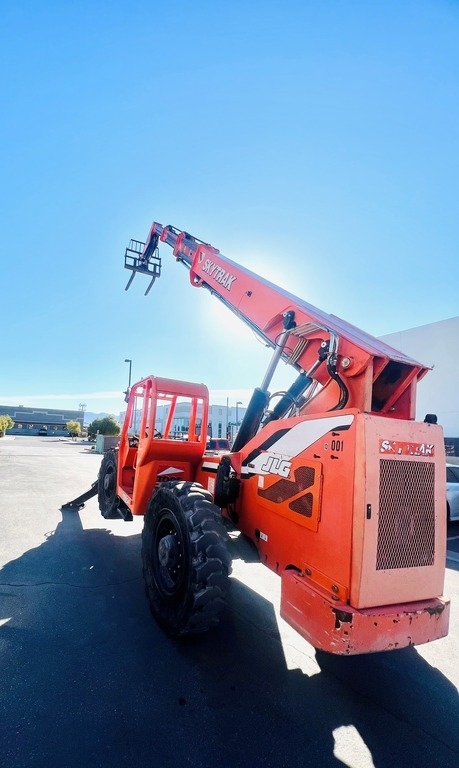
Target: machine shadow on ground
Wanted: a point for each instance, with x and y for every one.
(89, 678)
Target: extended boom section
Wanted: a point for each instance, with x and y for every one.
(356, 369)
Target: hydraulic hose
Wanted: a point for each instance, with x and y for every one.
(344, 392)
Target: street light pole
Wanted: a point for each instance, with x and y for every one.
(130, 369)
(239, 402)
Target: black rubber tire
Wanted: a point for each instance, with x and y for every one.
(106, 493)
(186, 561)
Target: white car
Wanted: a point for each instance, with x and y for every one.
(452, 491)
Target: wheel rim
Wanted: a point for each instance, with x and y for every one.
(108, 485)
(168, 554)
(108, 482)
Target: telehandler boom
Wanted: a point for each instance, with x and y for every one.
(339, 488)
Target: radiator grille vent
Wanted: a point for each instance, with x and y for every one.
(406, 526)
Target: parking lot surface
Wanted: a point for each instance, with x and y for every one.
(88, 678)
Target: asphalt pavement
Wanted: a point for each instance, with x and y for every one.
(87, 678)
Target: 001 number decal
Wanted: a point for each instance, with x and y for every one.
(337, 445)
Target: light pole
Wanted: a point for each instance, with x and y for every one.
(239, 402)
(130, 369)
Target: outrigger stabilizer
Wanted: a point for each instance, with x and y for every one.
(79, 502)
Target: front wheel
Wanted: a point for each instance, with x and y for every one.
(186, 562)
(106, 494)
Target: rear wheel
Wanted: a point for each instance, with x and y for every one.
(106, 494)
(185, 559)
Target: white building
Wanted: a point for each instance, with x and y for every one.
(223, 419)
(434, 345)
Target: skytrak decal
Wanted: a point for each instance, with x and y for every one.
(218, 274)
(406, 449)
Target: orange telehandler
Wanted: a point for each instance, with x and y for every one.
(338, 487)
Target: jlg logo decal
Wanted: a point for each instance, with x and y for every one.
(218, 274)
(276, 466)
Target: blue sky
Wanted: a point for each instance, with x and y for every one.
(314, 142)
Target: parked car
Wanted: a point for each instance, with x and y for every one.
(43, 432)
(452, 491)
(217, 444)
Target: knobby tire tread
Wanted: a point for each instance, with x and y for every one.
(199, 601)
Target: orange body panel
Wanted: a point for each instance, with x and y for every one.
(349, 509)
(338, 628)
